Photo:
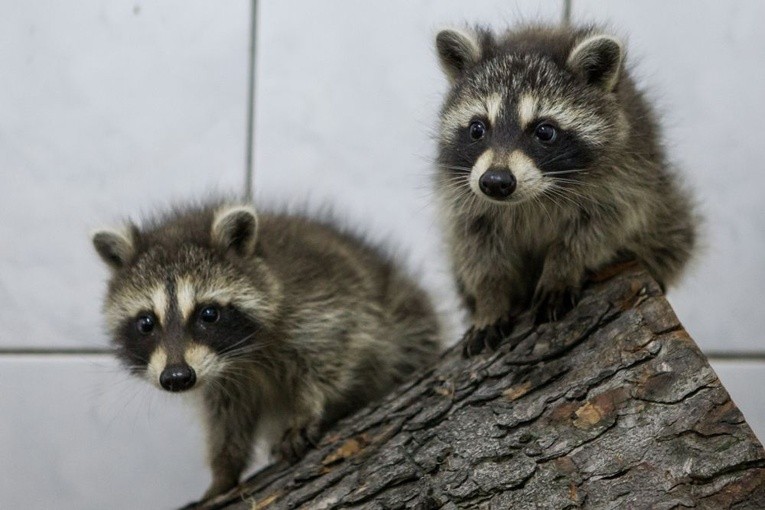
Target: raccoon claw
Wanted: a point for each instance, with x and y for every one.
(472, 341)
(297, 441)
(489, 338)
(553, 304)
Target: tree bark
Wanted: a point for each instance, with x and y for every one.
(614, 406)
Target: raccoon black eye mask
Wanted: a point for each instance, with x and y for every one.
(549, 166)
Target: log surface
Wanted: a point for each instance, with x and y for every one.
(612, 407)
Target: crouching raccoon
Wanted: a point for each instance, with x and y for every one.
(279, 324)
(550, 166)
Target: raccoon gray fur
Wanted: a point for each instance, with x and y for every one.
(281, 324)
(550, 166)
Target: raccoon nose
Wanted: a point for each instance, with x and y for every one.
(177, 377)
(497, 183)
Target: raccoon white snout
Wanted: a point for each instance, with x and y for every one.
(497, 183)
(178, 377)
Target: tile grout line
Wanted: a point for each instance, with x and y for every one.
(250, 133)
(48, 351)
(735, 356)
(566, 17)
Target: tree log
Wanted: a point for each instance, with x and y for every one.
(614, 406)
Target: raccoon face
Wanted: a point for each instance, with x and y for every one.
(518, 126)
(181, 314)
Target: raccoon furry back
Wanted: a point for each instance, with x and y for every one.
(283, 323)
(550, 166)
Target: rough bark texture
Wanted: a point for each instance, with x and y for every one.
(612, 407)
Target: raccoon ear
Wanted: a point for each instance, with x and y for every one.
(598, 59)
(235, 228)
(458, 51)
(116, 247)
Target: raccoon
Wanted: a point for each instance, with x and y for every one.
(549, 166)
(279, 324)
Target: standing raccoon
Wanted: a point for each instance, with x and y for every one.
(281, 324)
(549, 166)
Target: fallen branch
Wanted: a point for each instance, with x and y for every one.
(612, 407)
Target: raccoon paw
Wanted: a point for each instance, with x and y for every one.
(552, 303)
(475, 339)
(298, 440)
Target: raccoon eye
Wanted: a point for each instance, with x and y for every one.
(546, 133)
(477, 130)
(145, 324)
(209, 314)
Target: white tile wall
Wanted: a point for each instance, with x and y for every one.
(113, 107)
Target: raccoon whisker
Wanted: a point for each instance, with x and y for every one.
(225, 389)
(455, 181)
(458, 192)
(539, 200)
(573, 187)
(556, 194)
(453, 178)
(455, 167)
(242, 379)
(239, 343)
(569, 180)
(462, 197)
(233, 353)
(245, 352)
(467, 202)
(572, 197)
(563, 172)
(456, 186)
(126, 402)
(235, 345)
(242, 347)
(579, 198)
(557, 157)
(246, 371)
(245, 355)
(264, 356)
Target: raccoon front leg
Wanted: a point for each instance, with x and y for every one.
(557, 291)
(307, 423)
(489, 301)
(565, 265)
(230, 435)
(489, 337)
(299, 439)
